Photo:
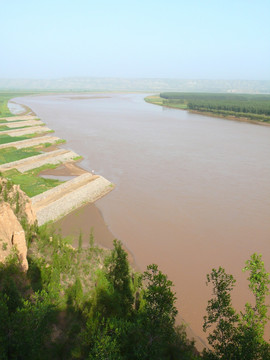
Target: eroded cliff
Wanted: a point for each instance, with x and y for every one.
(15, 210)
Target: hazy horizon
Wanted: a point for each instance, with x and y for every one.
(147, 85)
(173, 40)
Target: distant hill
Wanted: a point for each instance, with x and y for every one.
(143, 84)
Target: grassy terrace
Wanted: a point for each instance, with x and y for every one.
(30, 182)
(12, 154)
(5, 139)
(252, 107)
(4, 128)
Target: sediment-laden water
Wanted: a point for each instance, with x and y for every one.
(192, 192)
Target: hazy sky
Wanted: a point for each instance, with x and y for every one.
(203, 39)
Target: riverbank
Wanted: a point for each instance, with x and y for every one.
(157, 100)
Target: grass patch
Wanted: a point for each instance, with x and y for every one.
(4, 128)
(12, 154)
(77, 158)
(5, 139)
(30, 182)
(60, 141)
(46, 145)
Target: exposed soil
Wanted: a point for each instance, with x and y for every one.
(66, 169)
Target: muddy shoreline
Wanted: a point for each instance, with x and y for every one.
(86, 219)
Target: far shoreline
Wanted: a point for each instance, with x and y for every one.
(209, 114)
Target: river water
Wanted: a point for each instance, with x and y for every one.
(192, 192)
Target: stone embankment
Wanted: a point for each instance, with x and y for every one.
(52, 157)
(55, 203)
(31, 142)
(22, 117)
(14, 124)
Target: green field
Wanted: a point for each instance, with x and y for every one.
(254, 107)
(5, 139)
(5, 128)
(12, 154)
(30, 182)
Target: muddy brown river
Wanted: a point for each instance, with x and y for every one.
(192, 192)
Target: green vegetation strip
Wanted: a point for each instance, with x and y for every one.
(251, 106)
(157, 100)
(30, 182)
(5, 139)
(4, 128)
(12, 154)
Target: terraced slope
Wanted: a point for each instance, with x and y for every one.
(52, 157)
(62, 198)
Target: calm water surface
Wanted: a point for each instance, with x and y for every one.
(193, 192)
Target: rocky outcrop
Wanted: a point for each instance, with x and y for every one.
(15, 208)
(12, 236)
(18, 201)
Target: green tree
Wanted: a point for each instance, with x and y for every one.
(157, 315)
(256, 316)
(118, 275)
(221, 315)
(253, 321)
(30, 326)
(238, 337)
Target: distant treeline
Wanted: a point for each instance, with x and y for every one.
(252, 106)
